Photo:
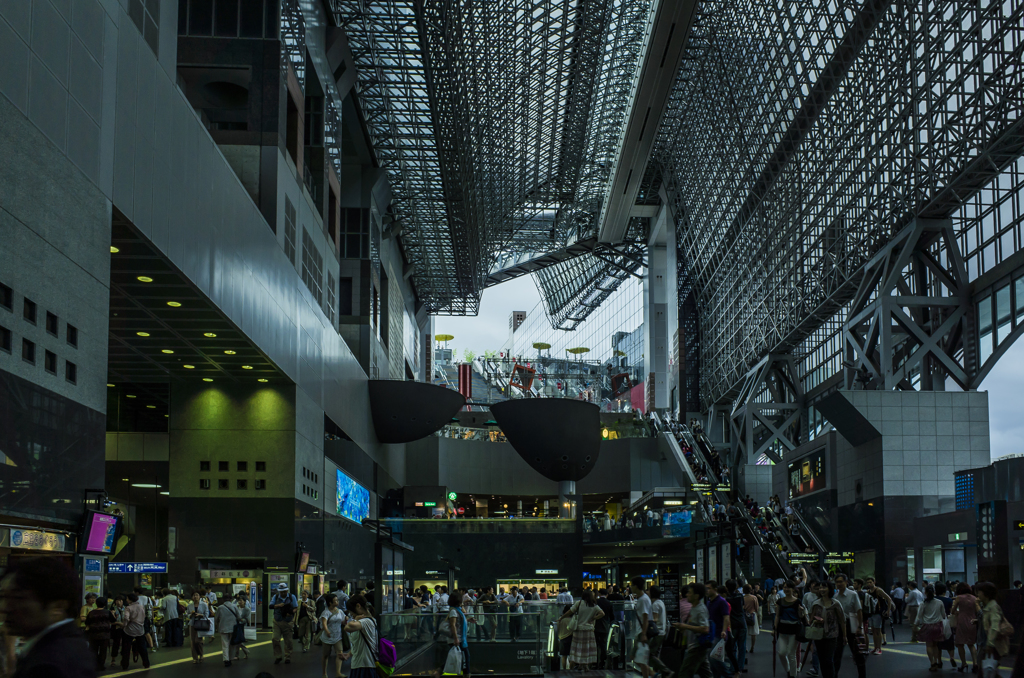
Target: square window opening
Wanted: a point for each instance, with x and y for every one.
(204, 483)
(72, 335)
(52, 323)
(29, 311)
(223, 466)
(261, 466)
(6, 297)
(222, 483)
(50, 362)
(28, 351)
(242, 466)
(71, 371)
(5, 340)
(261, 484)
(241, 484)
(204, 466)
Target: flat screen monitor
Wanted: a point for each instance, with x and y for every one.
(807, 475)
(353, 499)
(99, 535)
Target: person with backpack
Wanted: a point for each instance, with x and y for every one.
(283, 604)
(365, 640)
(98, 624)
(699, 633)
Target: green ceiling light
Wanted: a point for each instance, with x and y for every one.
(189, 367)
(129, 396)
(262, 381)
(110, 385)
(229, 352)
(246, 367)
(211, 335)
(142, 334)
(174, 304)
(114, 250)
(151, 407)
(166, 350)
(144, 278)
(207, 379)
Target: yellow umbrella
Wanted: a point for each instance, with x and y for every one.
(580, 350)
(444, 337)
(540, 345)
(618, 352)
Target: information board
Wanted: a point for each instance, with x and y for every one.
(136, 568)
(668, 578)
(839, 558)
(726, 562)
(712, 563)
(803, 558)
(700, 565)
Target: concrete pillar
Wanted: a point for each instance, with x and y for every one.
(566, 495)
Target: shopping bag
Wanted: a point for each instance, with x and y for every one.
(250, 634)
(453, 665)
(207, 633)
(718, 652)
(946, 630)
(643, 654)
(989, 666)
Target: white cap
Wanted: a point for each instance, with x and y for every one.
(282, 587)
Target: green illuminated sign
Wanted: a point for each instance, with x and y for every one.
(430, 503)
(452, 496)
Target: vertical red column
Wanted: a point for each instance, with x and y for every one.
(466, 380)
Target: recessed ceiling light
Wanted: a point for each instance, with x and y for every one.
(174, 304)
(144, 278)
(211, 335)
(262, 381)
(165, 493)
(246, 367)
(114, 250)
(110, 385)
(142, 334)
(146, 485)
(166, 416)
(189, 367)
(166, 350)
(152, 407)
(229, 352)
(207, 379)
(130, 396)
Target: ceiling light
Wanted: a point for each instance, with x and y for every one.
(246, 367)
(144, 278)
(165, 493)
(229, 352)
(211, 335)
(166, 350)
(110, 385)
(166, 416)
(262, 381)
(142, 334)
(146, 485)
(114, 250)
(130, 396)
(189, 367)
(152, 407)
(174, 304)
(207, 379)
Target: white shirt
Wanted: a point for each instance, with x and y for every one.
(642, 607)
(660, 614)
(897, 593)
(915, 597)
(564, 597)
(809, 600)
(850, 602)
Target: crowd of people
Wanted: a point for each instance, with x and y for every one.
(796, 604)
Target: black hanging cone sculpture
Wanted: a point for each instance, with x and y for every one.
(404, 411)
(558, 437)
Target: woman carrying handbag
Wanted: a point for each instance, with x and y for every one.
(197, 617)
(827, 628)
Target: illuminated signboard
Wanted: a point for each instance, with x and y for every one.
(430, 503)
(353, 500)
(839, 558)
(1018, 524)
(807, 475)
(547, 571)
(797, 558)
(962, 536)
(723, 488)
(702, 488)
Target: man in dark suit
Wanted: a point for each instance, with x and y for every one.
(39, 599)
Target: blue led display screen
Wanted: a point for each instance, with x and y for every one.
(353, 499)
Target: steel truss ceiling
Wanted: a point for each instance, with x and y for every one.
(802, 136)
(496, 122)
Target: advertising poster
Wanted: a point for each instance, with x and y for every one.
(700, 565)
(100, 537)
(712, 563)
(353, 500)
(677, 524)
(726, 562)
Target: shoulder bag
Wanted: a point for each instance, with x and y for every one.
(382, 669)
(237, 633)
(573, 623)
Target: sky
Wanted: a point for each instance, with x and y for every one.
(489, 330)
